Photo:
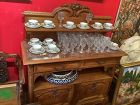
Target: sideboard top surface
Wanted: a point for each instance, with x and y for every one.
(29, 59)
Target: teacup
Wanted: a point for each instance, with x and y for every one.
(48, 40)
(69, 23)
(37, 47)
(48, 22)
(108, 25)
(34, 40)
(52, 47)
(33, 22)
(83, 24)
(114, 44)
(98, 24)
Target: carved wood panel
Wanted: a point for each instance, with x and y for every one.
(57, 96)
(91, 93)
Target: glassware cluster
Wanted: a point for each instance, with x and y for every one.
(82, 42)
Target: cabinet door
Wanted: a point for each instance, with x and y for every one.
(56, 96)
(92, 93)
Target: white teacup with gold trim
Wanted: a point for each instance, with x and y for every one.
(48, 23)
(37, 47)
(83, 24)
(69, 24)
(108, 25)
(52, 47)
(33, 22)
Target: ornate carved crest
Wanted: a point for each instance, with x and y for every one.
(77, 8)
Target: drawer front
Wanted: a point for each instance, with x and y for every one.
(56, 96)
(99, 63)
(93, 92)
(62, 66)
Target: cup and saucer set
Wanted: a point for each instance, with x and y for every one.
(48, 24)
(36, 46)
(108, 26)
(33, 24)
(99, 26)
(83, 25)
(34, 41)
(69, 25)
(50, 46)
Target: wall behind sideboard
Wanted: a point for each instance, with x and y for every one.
(11, 18)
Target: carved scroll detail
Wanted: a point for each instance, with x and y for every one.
(77, 9)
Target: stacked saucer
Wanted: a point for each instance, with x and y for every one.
(62, 77)
(32, 24)
(48, 24)
(69, 25)
(83, 25)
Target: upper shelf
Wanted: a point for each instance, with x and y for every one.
(57, 29)
(72, 12)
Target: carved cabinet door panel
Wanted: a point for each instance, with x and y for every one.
(57, 96)
(92, 93)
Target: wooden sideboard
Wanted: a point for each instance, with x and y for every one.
(95, 70)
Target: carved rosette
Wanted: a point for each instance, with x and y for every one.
(77, 9)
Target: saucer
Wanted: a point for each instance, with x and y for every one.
(57, 50)
(31, 43)
(114, 48)
(49, 43)
(87, 27)
(109, 28)
(99, 28)
(49, 26)
(32, 50)
(32, 26)
(66, 26)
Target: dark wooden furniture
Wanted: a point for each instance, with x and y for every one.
(95, 71)
(12, 89)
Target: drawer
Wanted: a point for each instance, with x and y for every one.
(60, 66)
(56, 96)
(91, 92)
(99, 63)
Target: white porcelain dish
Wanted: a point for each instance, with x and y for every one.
(57, 50)
(98, 28)
(32, 26)
(31, 43)
(48, 26)
(69, 27)
(109, 28)
(85, 28)
(33, 51)
(46, 44)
